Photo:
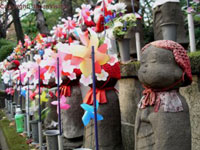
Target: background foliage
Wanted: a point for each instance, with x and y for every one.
(6, 47)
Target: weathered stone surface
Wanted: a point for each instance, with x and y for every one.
(162, 130)
(71, 118)
(169, 12)
(161, 124)
(192, 94)
(128, 107)
(158, 68)
(129, 70)
(71, 144)
(3, 96)
(109, 129)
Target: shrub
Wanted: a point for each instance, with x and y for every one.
(6, 48)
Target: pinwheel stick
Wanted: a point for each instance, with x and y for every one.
(10, 85)
(58, 86)
(94, 97)
(39, 84)
(188, 3)
(104, 17)
(28, 117)
(20, 84)
(39, 112)
(132, 4)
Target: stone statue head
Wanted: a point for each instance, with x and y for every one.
(164, 65)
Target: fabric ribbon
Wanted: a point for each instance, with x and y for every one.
(100, 94)
(150, 99)
(65, 90)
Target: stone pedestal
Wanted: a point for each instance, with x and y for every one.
(192, 94)
(130, 90)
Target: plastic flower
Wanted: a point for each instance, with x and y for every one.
(63, 104)
(102, 76)
(86, 80)
(113, 59)
(82, 54)
(120, 8)
(190, 10)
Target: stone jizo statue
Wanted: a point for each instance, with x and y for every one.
(162, 120)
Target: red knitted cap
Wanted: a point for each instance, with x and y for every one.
(113, 71)
(180, 56)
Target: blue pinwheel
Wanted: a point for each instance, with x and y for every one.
(41, 52)
(23, 92)
(89, 113)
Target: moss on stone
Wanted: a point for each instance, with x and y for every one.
(130, 69)
(195, 62)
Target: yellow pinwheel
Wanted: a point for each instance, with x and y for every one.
(81, 54)
(42, 97)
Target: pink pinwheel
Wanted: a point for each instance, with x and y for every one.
(82, 54)
(69, 24)
(63, 104)
(84, 15)
(27, 41)
(58, 32)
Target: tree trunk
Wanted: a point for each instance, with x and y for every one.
(16, 20)
(40, 19)
(2, 31)
(67, 8)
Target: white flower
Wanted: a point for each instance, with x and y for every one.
(113, 59)
(72, 76)
(117, 24)
(102, 76)
(111, 7)
(109, 33)
(67, 67)
(86, 80)
(120, 7)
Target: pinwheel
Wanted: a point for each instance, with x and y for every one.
(69, 24)
(27, 41)
(82, 54)
(63, 104)
(89, 113)
(23, 92)
(18, 48)
(42, 97)
(84, 15)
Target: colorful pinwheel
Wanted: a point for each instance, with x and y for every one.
(23, 92)
(82, 54)
(42, 97)
(63, 104)
(89, 113)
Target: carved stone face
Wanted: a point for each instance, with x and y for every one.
(158, 68)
